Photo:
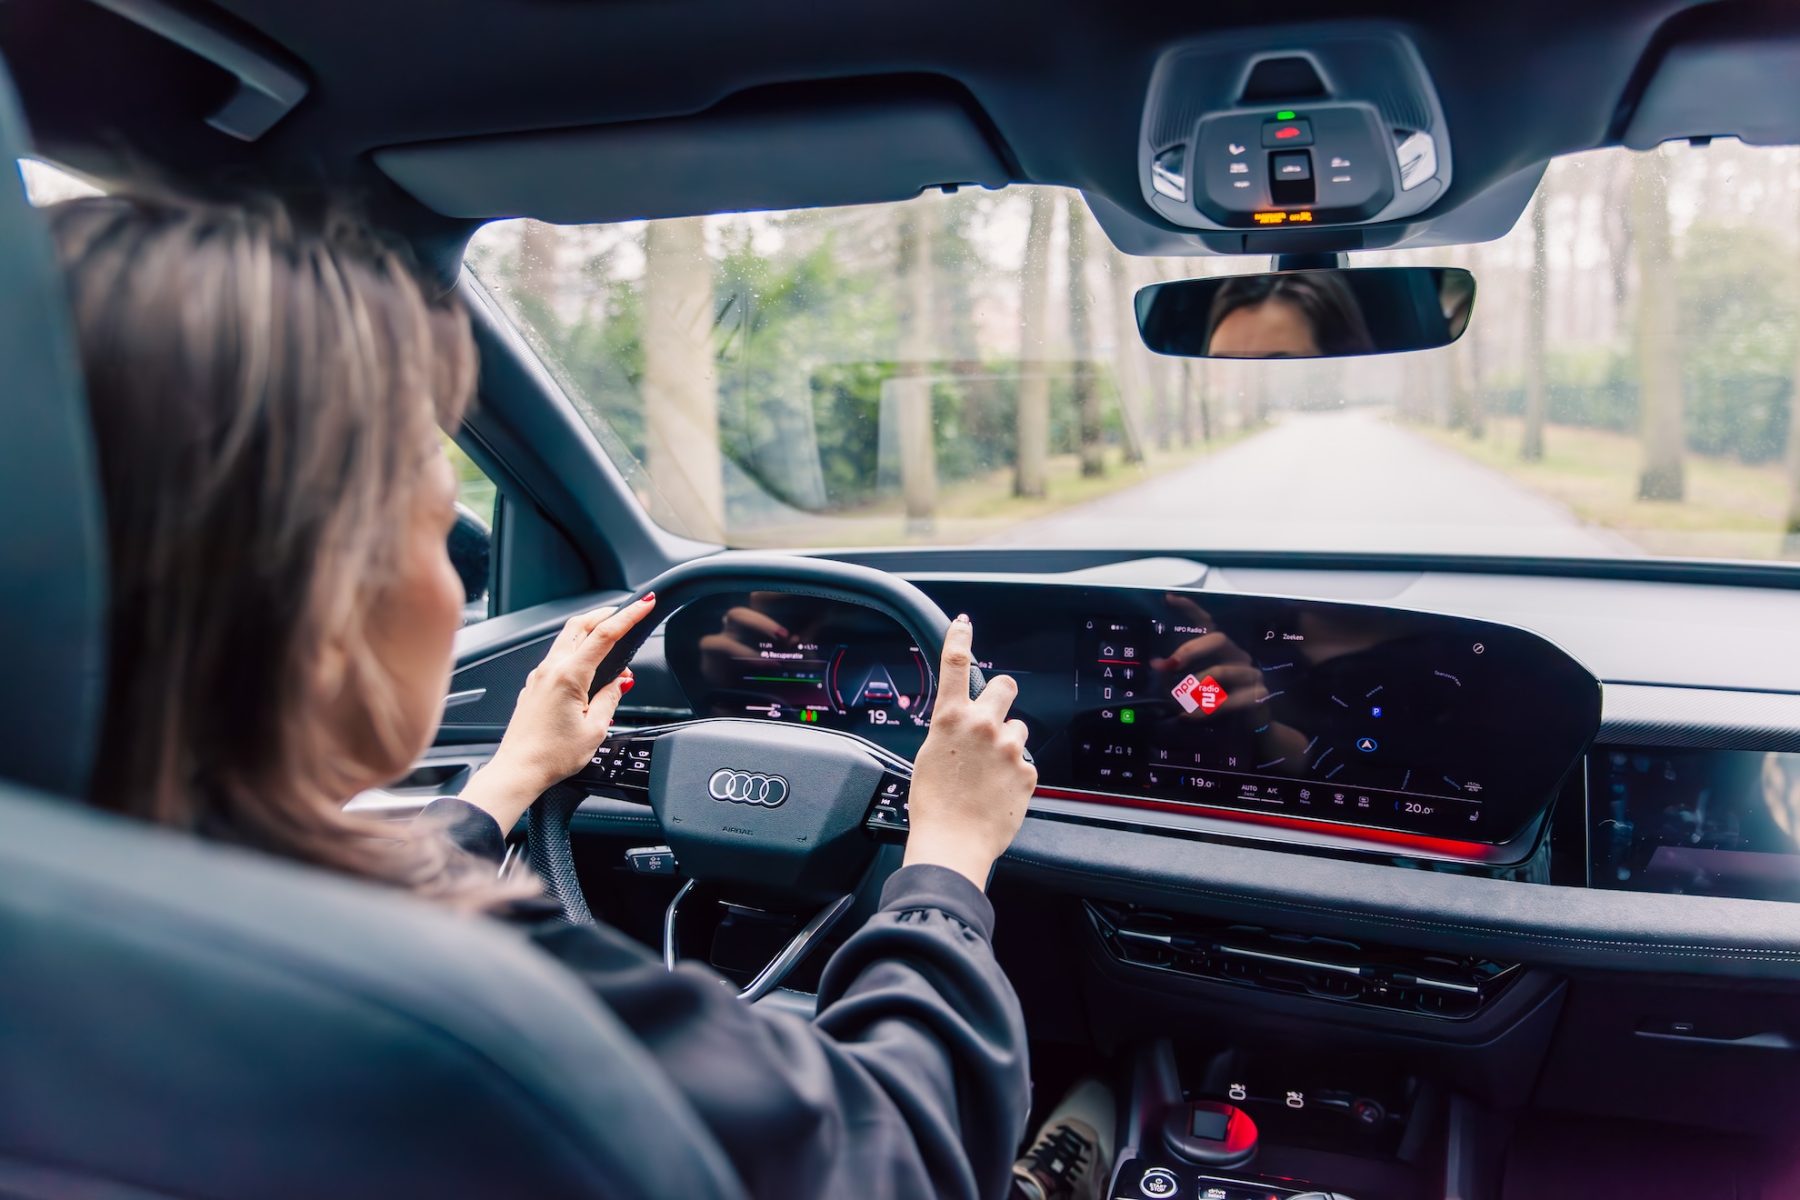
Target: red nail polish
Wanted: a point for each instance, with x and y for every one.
(625, 685)
(646, 598)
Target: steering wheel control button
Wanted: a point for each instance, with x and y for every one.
(1284, 134)
(624, 764)
(1158, 1182)
(891, 811)
(651, 860)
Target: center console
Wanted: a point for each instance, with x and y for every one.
(1233, 1125)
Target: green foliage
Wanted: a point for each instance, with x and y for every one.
(1738, 341)
(804, 350)
(804, 347)
(1737, 306)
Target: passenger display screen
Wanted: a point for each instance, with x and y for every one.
(1695, 822)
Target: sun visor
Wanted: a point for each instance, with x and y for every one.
(1742, 82)
(736, 158)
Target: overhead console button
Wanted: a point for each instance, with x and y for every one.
(1282, 134)
(1170, 171)
(1231, 173)
(1418, 160)
(1291, 168)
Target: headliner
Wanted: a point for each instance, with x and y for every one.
(1057, 86)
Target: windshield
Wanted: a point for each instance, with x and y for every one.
(965, 369)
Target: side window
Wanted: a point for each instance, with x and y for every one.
(471, 541)
(472, 537)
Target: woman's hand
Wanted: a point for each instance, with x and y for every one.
(971, 780)
(555, 727)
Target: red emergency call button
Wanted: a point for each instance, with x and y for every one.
(1287, 133)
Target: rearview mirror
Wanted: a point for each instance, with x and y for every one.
(1329, 313)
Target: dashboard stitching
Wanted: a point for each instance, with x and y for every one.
(1684, 949)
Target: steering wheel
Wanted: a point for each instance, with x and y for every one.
(784, 809)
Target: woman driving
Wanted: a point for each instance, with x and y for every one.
(267, 401)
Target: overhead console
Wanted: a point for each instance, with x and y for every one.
(1339, 129)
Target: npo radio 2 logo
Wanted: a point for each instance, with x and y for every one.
(747, 787)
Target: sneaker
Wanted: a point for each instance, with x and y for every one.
(1071, 1157)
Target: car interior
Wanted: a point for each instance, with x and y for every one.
(1387, 870)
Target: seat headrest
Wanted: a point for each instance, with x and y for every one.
(52, 540)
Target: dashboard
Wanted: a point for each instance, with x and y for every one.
(1657, 844)
(1300, 713)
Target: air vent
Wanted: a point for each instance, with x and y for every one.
(1336, 969)
(1291, 78)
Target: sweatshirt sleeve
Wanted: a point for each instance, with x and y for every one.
(910, 1082)
(471, 829)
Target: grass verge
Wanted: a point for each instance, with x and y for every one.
(1730, 510)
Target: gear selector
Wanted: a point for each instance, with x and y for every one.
(1210, 1134)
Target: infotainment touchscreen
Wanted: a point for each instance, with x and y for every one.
(1696, 822)
(1340, 713)
(1307, 710)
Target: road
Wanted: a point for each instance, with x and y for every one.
(1327, 481)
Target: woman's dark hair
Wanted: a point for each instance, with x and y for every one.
(1320, 296)
(266, 402)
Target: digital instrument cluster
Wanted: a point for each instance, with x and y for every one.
(782, 657)
(1291, 710)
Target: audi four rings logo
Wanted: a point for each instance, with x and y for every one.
(746, 787)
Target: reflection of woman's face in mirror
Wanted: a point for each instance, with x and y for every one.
(1272, 329)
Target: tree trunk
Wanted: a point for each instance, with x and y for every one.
(1081, 347)
(1128, 354)
(1204, 385)
(1617, 201)
(1792, 540)
(1031, 476)
(1249, 404)
(1462, 381)
(1186, 384)
(536, 280)
(681, 389)
(1162, 401)
(1470, 361)
(1536, 384)
(912, 382)
(1658, 360)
